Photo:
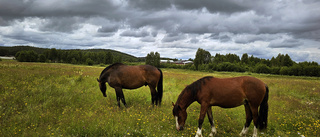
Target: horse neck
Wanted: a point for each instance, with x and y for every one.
(186, 99)
(104, 77)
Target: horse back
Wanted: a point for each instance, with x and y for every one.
(231, 92)
(132, 77)
(254, 90)
(151, 74)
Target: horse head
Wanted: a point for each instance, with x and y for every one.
(103, 87)
(180, 116)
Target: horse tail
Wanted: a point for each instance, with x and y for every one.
(263, 111)
(160, 88)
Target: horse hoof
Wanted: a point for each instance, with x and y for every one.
(212, 134)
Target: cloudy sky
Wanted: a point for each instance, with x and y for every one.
(174, 28)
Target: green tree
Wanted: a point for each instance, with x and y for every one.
(153, 59)
(274, 62)
(26, 56)
(89, 62)
(286, 61)
(219, 58)
(244, 58)
(42, 58)
(202, 57)
(117, 59)
(53, 55)
(232, 58)
(262, 68)
(109, 58)
(157, 60)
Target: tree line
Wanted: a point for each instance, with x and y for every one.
(280, 65)
(70, 56)
(204, 61)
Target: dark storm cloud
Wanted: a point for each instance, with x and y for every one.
(108, 28)
(194, 40)
(61, 24)
(150, 5)
(47, 8)
(224, 6)
(135, 33)
(224, 25)
(221, 37)
(285, 43)
(173, 37)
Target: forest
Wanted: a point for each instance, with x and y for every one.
(203, 61)
(280, 65)
(75, 56)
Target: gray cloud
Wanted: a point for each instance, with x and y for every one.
(148, 39)
(285, 43)
(221, 26)
(194, 40)
(173, 37)
(135, 33)
(108, 28)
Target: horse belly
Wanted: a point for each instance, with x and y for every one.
(229, 99)
(230, 103)
(129, 82)
(133, 84)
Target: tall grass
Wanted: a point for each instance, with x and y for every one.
(39, 99)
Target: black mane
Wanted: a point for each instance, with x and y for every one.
(107, 68)
(195, 86)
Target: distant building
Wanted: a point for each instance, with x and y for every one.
(179, 62)
(166, 61)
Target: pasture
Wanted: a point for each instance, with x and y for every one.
(40, 99)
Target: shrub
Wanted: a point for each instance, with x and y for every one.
(275, 70)
(42, 58)
(296, 70)
(262, 68)
(73, 61)
(312, 71)
(89, 62)
(26, 56)
(284, 71)
(227, 66)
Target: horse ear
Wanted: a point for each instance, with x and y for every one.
(172, 103)
(98, 80)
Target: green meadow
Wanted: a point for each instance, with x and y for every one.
(41, 99)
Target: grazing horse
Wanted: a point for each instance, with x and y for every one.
(226, 93)
(121, 76)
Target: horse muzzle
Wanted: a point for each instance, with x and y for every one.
(179, 128)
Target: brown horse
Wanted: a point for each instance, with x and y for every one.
(226, 93)
(121, 76)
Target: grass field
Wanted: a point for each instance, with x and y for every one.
(39, 99)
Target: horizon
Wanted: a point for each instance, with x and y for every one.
(152, 51)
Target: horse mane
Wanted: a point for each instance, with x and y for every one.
(194, 87)
(107, 68)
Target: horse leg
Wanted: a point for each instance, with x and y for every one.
(120, 96)
(203, 111)
(154, 97)
(248, 119)
(118, 99)
(255, 120)
(213, 128)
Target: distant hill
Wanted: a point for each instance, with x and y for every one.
(11, 51)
